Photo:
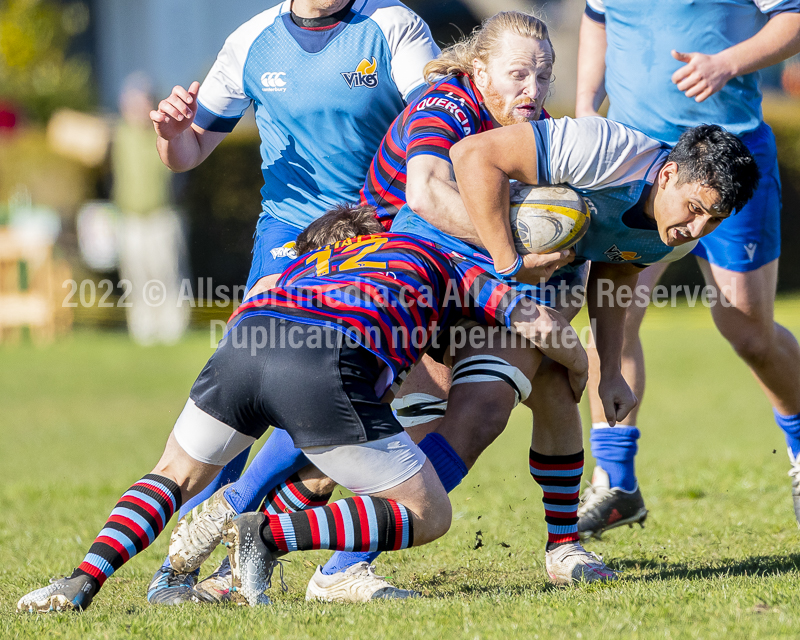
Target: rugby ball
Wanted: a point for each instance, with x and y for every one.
(548, 218)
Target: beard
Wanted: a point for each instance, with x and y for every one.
(504, 113)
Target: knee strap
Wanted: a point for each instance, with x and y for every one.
(418, 408)
(492, 369)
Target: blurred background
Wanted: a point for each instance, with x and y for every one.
(75, 81)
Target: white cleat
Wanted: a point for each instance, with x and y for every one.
(199, 532)
(571, 563)
(356, 584)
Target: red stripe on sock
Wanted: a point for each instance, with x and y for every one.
(133, 527)
(398, 526)
(296, 493)
(563, 537)
(94, 572)
(114, 544)
(341, 535)
(276, 529)
(147, 507)
(170, 499)
(313, 523)
(571, 466)
(363, 520)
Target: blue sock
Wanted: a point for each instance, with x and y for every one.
(446, 462)
(615, 448)
(791, 429)
(228, 474)
(277, 460)
(451, 471)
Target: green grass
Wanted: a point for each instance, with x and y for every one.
(82, 420)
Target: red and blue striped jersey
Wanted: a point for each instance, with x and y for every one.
(445, 113)
(393, 294)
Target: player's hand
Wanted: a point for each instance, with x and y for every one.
(176, 113)
(540, 266)
(702, 75)
(617, 398)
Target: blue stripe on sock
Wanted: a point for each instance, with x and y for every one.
(161, 487)
(120, 537)
(549, 488)
(324, 528)
(124, 512)
(289, 499)
(101, 563)
(560, 529)
(404, 516)
(564, 508)
(556, 473)
(152, 502)
(372, 518)
(288, 531)
(347, 522)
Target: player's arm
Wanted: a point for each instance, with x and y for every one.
(591, 67)
(432, 193)
(181, 144)
(550, 332)
(607, 317)
(483, 164)
(703, 75)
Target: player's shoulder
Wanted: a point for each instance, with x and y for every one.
(247, 33)
(389, 14)
(596, 130)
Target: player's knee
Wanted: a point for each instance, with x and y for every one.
(752, 341)
(434, 521)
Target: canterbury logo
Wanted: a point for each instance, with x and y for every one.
(365, 75)
(273, 81)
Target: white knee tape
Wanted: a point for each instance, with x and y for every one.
(492, 369)
(418, 408)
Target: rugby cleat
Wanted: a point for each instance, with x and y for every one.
(251, 561)
(603, 508)
(169, 587)
(62, 594)
(356, 584)
(570, 563)
(217, 586)
(794, 474)
(199, 532)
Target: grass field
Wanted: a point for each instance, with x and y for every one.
(82, 420)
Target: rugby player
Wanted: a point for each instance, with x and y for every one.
(314, 356)
(701, 66)
(498, 76)
(326, 79)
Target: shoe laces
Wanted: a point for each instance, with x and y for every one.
(175, 579)
(270, 569)
(794, 472)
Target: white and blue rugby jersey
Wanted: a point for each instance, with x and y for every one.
(323, 98)
(639, 66)
(613, 167)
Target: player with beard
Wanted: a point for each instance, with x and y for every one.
(499, 76)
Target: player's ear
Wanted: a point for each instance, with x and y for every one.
(479, 72)
(668, 172)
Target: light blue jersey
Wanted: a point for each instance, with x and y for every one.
(639, 66)
(323, 99)
(614, 168)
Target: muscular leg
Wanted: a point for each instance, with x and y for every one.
(770, 350)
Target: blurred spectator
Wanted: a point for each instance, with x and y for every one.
(8, 117)
(152, 246)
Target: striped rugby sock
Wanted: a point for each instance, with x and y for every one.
(560, 480)
(291, 496)
(353, 524)
(140, 515)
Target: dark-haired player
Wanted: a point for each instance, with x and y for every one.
(314, 356)
(667, 66)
